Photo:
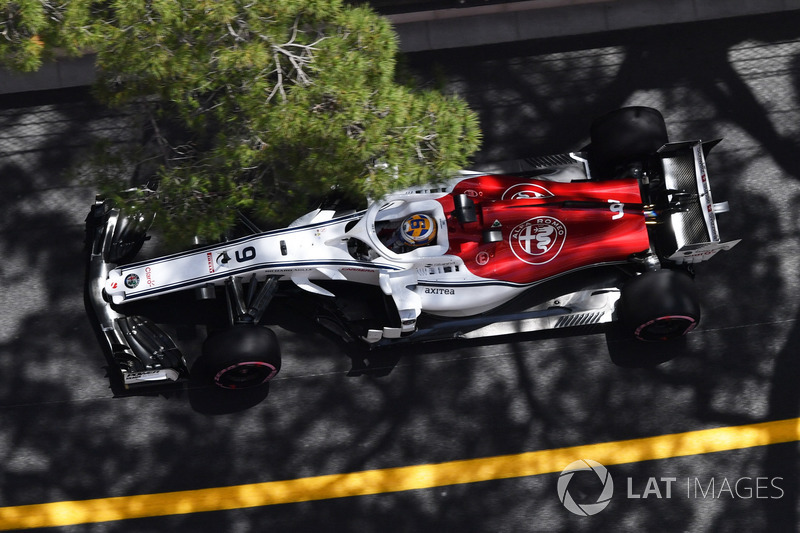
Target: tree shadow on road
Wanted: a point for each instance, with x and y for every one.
(723, 78)
(459, 400)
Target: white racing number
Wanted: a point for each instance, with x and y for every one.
(618, 208)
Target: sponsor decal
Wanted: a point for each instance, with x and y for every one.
(701, 253)
(539, 240)
(523, 191)
(210, 262)
(471, 193)
(148, 275)
(482, 258)
(438, 290)
(131, 281)
(702, 164)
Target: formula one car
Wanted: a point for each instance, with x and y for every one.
(605, 234)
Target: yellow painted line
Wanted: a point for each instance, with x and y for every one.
(397, 479)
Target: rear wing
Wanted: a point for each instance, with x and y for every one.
(695, 227)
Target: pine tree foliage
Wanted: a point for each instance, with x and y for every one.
(254, 105)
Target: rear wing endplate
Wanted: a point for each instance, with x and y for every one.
(696, 229)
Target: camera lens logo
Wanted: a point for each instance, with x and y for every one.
(600, 482)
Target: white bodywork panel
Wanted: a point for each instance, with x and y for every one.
(316, 248)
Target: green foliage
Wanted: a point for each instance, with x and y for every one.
(256, 105)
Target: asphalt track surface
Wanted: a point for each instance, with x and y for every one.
(704, 442)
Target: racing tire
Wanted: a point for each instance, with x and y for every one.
(625, 136)
(241, 357)
(130, 234)
(659, 306)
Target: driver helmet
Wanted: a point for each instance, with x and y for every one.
(418, 230)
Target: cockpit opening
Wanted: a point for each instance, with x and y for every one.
(408, 234)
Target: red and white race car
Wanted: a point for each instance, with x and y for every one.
(607, 234)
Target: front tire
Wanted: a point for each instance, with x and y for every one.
(244, 356)
(659, 306)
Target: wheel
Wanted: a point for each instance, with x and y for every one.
(130, 233)
(241, 357)
(624, 136)
(659, 306)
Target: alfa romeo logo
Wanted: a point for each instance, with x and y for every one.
(539, 240)
(601, 483)
(131, 281)
(525, 190)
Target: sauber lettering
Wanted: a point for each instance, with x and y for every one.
(700, 253)
(129, 376)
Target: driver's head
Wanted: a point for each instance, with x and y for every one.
(418, 230)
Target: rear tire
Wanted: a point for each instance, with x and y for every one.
(659, 306)
(241, 357)
(624, 136)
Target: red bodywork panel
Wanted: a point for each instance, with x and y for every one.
(548, 228)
